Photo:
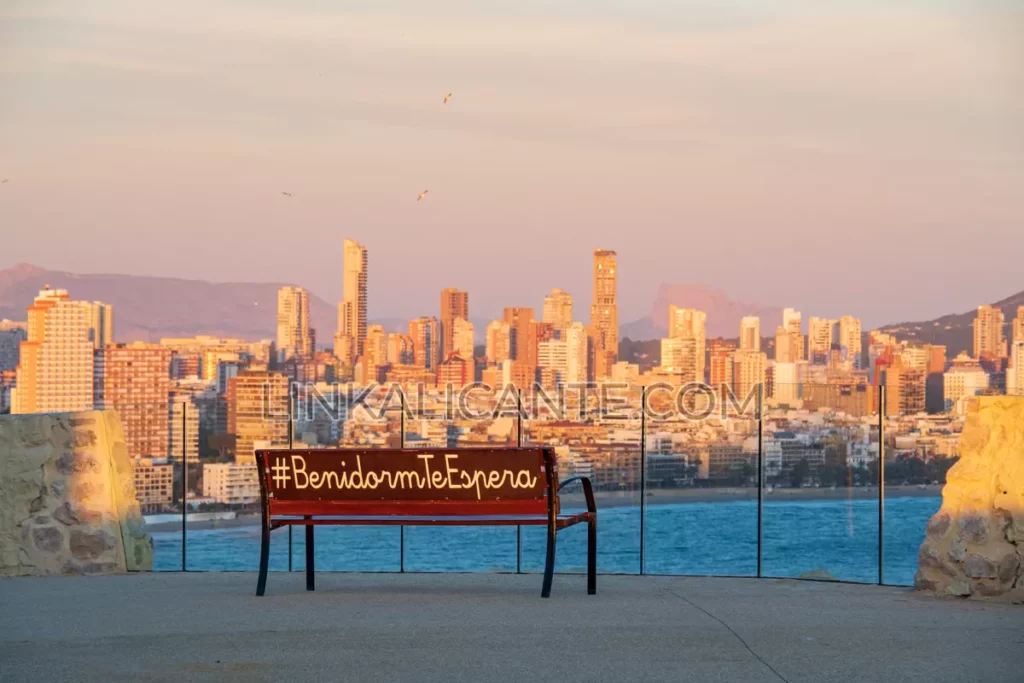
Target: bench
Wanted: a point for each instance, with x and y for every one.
(418, 487)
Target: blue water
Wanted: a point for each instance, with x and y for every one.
(716, 538)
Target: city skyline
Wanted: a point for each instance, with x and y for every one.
(733, 145)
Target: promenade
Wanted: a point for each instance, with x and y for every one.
(477, 628)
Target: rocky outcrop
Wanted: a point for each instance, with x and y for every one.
(974, 544)
(67, 497)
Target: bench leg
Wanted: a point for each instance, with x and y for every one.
(549, 564)
(261, 583)
(592, 556)
(310, 580)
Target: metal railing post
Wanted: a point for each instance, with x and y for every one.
(401, 444)
(291, 444)
(643, 473)
(760, 480)
(184, 485)
(519, 443)
(881, 484)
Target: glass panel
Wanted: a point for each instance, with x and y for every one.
(596, 433)
(920, 446)
(473, 416)
(701, 505)
(821, 497)
(348, 416)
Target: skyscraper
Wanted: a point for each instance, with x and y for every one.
(850, 340)
(376, 347)
(1018, 326)
(720, 368)
(689, 323)
(576, 351)
(794, 343)
(423, 331)
(11, 336)
(101, 326)
(134, 379)
(55, 371)
(604, 311)
(293, 337)
(463, 339)
(558, 310)
(454, 304)
(989, 342)
(352, 308)
(749, 366)
(819, 339)
(498, 341)
(400, 349)
(679, 358)
(750, 333)
(257, 406)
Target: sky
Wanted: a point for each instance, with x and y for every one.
(850, 157)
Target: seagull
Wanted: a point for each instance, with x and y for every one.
(446, 98)
(287, 194)
(422, 195)
(4, 181)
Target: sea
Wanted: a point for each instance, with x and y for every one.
(817, 538)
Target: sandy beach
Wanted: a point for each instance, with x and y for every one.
(607, 499)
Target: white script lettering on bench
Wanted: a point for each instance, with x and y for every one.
(449, 477)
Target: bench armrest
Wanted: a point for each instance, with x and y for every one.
(588, 490)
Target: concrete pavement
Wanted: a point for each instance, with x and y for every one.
(477, 628)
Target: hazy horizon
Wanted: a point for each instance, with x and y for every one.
(836, 159)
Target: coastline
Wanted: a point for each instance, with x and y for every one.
(609, 499)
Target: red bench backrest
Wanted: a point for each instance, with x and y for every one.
(456, 482)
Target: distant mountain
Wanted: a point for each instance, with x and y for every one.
(955, 331)
(148, 308)
(723, 313)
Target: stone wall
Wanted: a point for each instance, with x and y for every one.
(67, 497)
(975, 543)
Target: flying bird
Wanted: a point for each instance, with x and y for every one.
(422, 195)
(4, 181)
(287, 194)
(446, 98)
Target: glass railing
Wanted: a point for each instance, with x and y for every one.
(676, 473)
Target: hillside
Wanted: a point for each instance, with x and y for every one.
(147, 308)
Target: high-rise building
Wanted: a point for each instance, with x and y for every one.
(352, 308)
(55, 370)
(750, 333)
(679, 359)
(134, 380)
(558, 311)
(463, 339)
(749, 370)
(423, 331)
(786, 382)
(454, 305)
(553, 355)
(521, 347)
(456, 371)
(604, 311)
(101, 325)
(689, 323)
(850, 340)
(232, 483)
(576, 352)
(257, 406)
(183, 433)
(400, 349)
(1015, 373)
(989, 342)
(789, 340)
(293, 336)
(720, 370)
(11, 336)
(498, 341)
(820, 332)
(1018, 326)
(154, 484)
(626, 373)
(936, 358)
(375, 348)
(905, 388)
(965, 378)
